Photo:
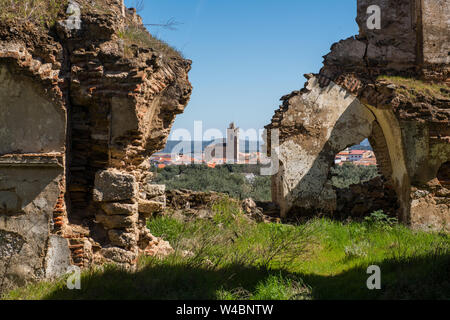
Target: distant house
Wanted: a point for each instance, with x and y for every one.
(342, 156)
(358, 157)
(368, 159)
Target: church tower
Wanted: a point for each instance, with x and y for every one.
(232, 149)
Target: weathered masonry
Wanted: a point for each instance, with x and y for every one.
(81, 111)
(389, 85)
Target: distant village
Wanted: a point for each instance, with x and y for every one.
(357, 157)
(230, 151)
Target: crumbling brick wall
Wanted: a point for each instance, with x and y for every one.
(81, 112)
(409, 124)
(435, 49)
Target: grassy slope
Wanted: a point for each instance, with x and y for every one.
(230, 257)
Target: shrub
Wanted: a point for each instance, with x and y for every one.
(348, 174)
(380, 220)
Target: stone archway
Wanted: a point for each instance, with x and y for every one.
(316, 124)
(396, 162)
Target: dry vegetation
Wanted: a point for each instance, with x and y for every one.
(413, 87)
(41, 12)
(137, 35)
(44, 13)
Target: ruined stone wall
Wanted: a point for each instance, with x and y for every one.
(394, 46)
(33, 122)
(315, 126)
(383, 71)
(81, 112)
(436, 34)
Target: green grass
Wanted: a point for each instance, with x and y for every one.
(230, 257)
(411, 87)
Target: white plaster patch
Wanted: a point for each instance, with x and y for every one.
(58, 257)
(74, 20)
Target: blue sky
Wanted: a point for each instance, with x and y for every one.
(248, 53)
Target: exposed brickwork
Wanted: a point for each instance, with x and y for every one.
(113, 104)
(380, 148)
(401, 74)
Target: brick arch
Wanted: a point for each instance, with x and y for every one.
(393, 157)
(358, 200)
(381, 150)
(315, 125)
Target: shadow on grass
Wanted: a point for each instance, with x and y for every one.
(418, 278)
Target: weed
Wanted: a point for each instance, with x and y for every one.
(380, 220)
(357, 250)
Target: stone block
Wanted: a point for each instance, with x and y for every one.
(122, 238)
(117, 222)
(119, 255)
(113, 209)
(154, 190)
(147, 207)
(58, 257)
(113, 186)
(162, 199)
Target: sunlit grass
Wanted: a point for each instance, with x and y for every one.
(412, 86)
(231, 257)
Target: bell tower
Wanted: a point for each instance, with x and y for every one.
(232, 149)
